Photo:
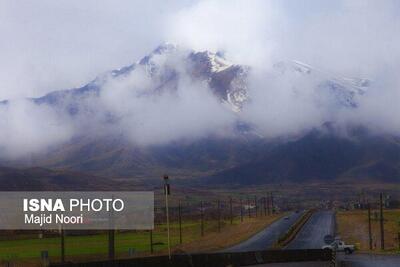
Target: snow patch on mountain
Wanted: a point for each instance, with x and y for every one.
(344, 89)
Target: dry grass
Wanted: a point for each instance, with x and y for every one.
(87, 248)
(229, 235)
(353, 228)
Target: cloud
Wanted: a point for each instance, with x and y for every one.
(55, 45)
(27, 128)
(52, 45)
(288, 104)
(244, 30)
(356, 38)
(184, 109)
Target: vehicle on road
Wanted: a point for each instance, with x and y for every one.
(339, 245)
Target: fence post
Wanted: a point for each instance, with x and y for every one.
(44, 255)
(151, 242)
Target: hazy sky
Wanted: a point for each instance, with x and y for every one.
(48, 45)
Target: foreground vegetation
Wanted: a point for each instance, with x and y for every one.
(96, 246)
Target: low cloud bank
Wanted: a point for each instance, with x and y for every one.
(345, 39)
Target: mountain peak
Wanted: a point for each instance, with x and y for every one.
(345, 90)
(217, 61)
(165, 47)
(227, 81)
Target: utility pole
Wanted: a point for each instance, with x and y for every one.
(219, 215)
(230, 210)
(248, 206)
(111, 236)
(167, 192)
(241, 210)
(381, 222)
(369, 227)
(268, 205)
(265, 206)
(201, 218)
(62, 233)
(180, 222)
(111, 244)
(272, 204)
(255, 204)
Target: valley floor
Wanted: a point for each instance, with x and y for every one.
(27, 249)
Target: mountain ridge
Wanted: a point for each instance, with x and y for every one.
(245, 157)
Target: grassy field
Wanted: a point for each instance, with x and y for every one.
(89, 247)
(353, 228)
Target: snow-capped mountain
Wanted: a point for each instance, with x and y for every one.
(344, 90)
(228, 81)
(308, 155)
(164, 66)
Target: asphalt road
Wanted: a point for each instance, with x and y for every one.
(353, 260)
(311, 236)
(295, 264)
(267, 237)
(369, 260)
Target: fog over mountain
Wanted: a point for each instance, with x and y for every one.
(252, 70)
(176, 94)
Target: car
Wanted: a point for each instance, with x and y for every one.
(339, 245)
(286, 218)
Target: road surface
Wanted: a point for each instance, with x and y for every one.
(368, 260)
(295, 264)
(311, 236)
(267, 237)
(353, 260)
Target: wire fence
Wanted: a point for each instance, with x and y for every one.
(190, 220)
